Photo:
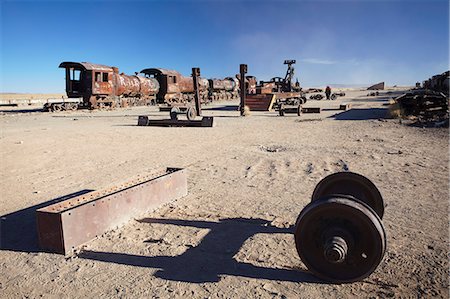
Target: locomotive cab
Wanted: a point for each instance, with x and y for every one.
(88, 81)
(77, 78)
(170, 82)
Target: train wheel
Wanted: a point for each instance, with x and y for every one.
(56, 107)
(299, 110)
(174, 113)
(191, 113)
(281, 110)
(71, 106)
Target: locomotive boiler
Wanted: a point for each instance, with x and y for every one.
(102, 86)
(226, 89)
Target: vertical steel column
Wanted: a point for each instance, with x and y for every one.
(195, 76)
(243, 71)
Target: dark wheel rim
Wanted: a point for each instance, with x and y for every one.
(174, 113)
(353, 184)
(356, 235)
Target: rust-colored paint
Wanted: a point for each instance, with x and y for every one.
(99, 83)
(64, 226)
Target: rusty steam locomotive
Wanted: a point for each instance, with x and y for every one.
(101, 86)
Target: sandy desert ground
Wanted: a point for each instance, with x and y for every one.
(248, 179)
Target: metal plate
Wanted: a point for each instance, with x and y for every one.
(64, 226)
(353, 184)
(345, 218)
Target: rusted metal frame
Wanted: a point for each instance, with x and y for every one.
(243, 71)
(205, 122)
(64, 226)
(195, 76)
(311, 110)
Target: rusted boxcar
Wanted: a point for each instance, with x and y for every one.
(103, 86)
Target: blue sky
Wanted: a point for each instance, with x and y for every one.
(334, 42)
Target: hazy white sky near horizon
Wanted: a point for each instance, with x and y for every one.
(334, 42)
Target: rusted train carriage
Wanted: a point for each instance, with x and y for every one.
(102, 86)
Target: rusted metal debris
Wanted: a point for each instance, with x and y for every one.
(259, 97)
(426, 105)
(440, 83)
(282, 110)
(378, 86)
(260, 102)
(311, 90)
(316, 97)
(206, 122)
(244, 87)
(64, 226)
(311, 110)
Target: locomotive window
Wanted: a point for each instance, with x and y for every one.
(105, 77)
(172, 79)
(75, 75)
(98, 77)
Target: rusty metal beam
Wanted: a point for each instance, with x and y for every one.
(243, 71)
(311, 110)
(64, 226)
(206, 121)
(195, 76)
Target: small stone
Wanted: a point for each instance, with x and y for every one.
(359, 140)
(19, 142)
(270, 288)
(36, 192)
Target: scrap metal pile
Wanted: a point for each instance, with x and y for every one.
(429, 104)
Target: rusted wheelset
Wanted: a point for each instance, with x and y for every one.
(189, 111)
(339, 235)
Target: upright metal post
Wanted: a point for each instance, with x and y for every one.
(243, 71)
(195, 76)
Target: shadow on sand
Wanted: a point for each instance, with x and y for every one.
(223, 108)
(19, 111)
(361, 114)
(18, 230)
(210, 259)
